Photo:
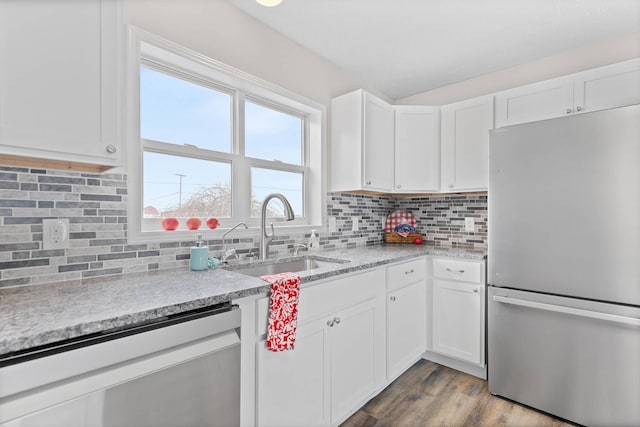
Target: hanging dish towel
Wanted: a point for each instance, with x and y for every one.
(283, 310)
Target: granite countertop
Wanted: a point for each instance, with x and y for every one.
(32, 316)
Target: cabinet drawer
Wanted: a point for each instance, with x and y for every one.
(464, 271)
(327, 297)
(408, 272)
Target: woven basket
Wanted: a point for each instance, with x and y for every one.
(396, 238)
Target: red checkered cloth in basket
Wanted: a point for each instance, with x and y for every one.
(398, 217)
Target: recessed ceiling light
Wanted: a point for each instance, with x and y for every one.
(269, 3)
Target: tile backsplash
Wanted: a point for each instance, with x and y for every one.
(96, 207)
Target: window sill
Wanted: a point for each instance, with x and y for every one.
(207, 234)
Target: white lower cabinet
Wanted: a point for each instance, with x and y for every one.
(356, 361)
(406, 315)
(358, 333)
(339, 357)
(292, 385)
(458, 324)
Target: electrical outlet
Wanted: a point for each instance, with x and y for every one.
(332, 224)
(55, 234)
(356, 223)
(469, 224)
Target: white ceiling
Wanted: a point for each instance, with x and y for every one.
(404, 47)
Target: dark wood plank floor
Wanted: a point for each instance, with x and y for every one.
(429, 394)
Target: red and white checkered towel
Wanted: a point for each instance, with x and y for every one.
(398, 217)
(283, 310)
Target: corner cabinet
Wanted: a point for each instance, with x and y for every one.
(611, 86)
(458, 323)
(362, 143)
(59, 81)
(417, 149)
(465, 144)
(338, 361)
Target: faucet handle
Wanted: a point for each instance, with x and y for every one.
(231, 253)
(297, 248)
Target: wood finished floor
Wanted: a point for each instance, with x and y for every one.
(429, 394)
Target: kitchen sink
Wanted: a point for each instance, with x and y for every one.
(292, 265)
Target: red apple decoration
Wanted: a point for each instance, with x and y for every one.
(212, 223)
(170, 223)
(417, 241)
(193, 223)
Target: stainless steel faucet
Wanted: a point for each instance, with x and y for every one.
(266, 239)
(232, 252)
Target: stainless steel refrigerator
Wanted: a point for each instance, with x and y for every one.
(564, 266)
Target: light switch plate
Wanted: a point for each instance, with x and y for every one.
(469, 224)
(332, 224)
(55, 233)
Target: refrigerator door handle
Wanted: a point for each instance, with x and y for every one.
(568, 310)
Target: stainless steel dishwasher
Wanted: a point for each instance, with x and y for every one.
(181, 370)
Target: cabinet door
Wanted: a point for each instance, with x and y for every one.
(537, 101)
(58, 80)
(417, 149)
(357, 356)
(465, 144)
(406, 327)
(378, 144)
(458, 320)
(292, 386)
(612, 86)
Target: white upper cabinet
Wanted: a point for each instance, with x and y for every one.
(59, 80)
(362, 143)
(610, 86)
(417, 149)
(537, 101)
(465, 144)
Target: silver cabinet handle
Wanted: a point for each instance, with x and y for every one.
(578, 108)
(409, 272)
(398, 186)
(330, 323)
(455, 271)
(475, 290)
(392, 298)
(450, 185)
(336, 320)
(568, 310)
(569, 110)
(369, 182)
(111, 148)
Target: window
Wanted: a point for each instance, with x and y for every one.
(180, 112)
(214, 142)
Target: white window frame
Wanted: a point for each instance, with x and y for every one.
(149, 50)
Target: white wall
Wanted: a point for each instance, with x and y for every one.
(218, 30)
(568, 62)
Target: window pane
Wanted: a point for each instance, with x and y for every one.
(266, 181)
(183, 187)
(179, 112)
(272, 135)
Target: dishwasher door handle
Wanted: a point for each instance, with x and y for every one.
(568, 310)
(109, 377)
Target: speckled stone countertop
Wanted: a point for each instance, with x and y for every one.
(32, 316)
